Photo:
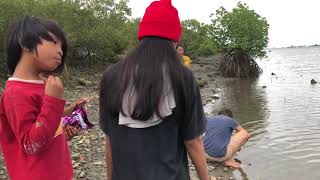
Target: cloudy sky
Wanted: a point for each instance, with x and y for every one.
(292, 22)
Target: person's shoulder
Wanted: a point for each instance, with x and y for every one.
(214, 121)
(213, 118)
(219, 117)
(229, 120)
(25, 92)
(188, 74)
(21, 88)
(186, 57)
(189, 77)
(111, 71)
(111, 68)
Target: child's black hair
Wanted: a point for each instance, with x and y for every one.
(27, 33)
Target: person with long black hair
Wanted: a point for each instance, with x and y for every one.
(150, 106)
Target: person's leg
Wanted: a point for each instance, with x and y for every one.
(213, 159)
(240, 138)
(235, 144)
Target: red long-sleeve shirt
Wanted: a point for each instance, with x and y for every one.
(34, 146)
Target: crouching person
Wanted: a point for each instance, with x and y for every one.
(219, 143)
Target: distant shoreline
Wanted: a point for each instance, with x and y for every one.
(301, 46)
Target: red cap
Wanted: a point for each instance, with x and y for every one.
(161, 19)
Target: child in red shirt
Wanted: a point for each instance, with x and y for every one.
(33, 141)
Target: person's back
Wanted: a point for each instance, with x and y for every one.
(218, 134)
(156, 152)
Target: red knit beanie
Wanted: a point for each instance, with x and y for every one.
(161, 19)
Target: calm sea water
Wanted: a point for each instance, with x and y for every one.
(282, 112)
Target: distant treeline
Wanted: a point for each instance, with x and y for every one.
(100, 30)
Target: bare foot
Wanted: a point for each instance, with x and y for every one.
(232, 163)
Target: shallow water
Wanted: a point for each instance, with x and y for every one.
(283, 117)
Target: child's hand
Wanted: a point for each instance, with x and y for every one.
(82, 101)
(54, 87)
(71, 132)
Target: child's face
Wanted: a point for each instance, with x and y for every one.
(49, 54)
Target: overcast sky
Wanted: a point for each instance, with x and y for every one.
(292, 22)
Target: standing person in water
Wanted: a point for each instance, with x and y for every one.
(150, 106)
(185, 59)
(33, 141)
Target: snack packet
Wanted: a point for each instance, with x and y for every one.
(78, 118)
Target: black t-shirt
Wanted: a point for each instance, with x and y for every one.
(157, 152)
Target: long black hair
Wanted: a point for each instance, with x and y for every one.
(143, 67)
(27, 33)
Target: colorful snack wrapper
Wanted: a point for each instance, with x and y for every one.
(78, 118)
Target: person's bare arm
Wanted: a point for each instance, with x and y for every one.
(108, 158)
(239, 128)
(196, 152)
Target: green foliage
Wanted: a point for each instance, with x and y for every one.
(241, 29)
(100, 30)
(131, 31)
(97, 30)
(196, 39)
(241, 35)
